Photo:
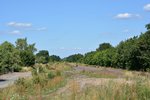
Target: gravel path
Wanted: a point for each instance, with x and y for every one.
(81, 81)
(8, 79)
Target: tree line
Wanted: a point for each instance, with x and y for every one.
(15, 57)
(131, 54)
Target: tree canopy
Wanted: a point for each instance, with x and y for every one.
(54, 58)
(148, 26)
(42, 57)
(104, 46)
(132, 54)
(74, 58)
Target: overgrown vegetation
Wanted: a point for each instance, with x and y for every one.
(45, 80)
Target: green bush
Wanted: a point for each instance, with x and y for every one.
(39, 79)
(58, 73)
(17, 68)
(51, 75)
(20, 81)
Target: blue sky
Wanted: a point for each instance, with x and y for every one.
(65, 27)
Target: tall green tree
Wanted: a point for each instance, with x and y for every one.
(144, 48)
(127, 54)
(9, 57)
(21, 44)
(26, 52)
(42, 57)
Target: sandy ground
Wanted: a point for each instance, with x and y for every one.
(81, 81)
(8, 79)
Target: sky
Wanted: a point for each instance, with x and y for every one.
(66, 27)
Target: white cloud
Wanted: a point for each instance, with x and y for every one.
(69, 49)
(147, 7)
(126, 30)
(19, 24)
(41, 29)
(25, 26)
(127, 16)
(123, 16)
(15, 32)
(20, 27)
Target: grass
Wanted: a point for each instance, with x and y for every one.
(50, 78)
(99, 74)
(46, 80)
(139, 90)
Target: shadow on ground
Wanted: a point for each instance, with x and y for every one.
(2, 80)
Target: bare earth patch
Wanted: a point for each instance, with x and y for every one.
(8, 79)
(80, 82)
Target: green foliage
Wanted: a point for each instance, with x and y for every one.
(54, 58)
(51, 75)
(88, 58)
(21, 44)
(17, 68)
(74, 58)
(132, 54)
(26, 52)
(102, 58)
(40, 79)
(147, 26)
(20, 81)
(144, 50)
(104, 46)
(27, 58)
(9, 57)
(127, 54)
(12, 58)
(42, 57)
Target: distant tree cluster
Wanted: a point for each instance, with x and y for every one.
(43, 57)
(132, 54)
(74, 58)
(22, 54)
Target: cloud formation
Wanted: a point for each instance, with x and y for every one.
(147, 7)
(41, 29)
(20, 28)
(127, 16)
(126, 30)
(19, 24)
(68, 49)
(15, 32)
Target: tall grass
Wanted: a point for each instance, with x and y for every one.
(138, 90)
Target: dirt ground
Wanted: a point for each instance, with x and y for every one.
(8, 79)
(81, 81)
